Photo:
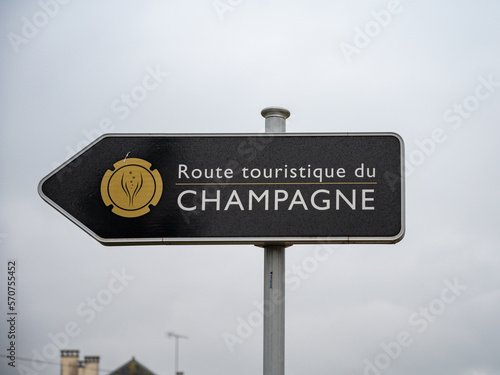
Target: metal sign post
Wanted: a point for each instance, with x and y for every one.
(274, 277)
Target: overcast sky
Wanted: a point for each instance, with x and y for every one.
(427, 70)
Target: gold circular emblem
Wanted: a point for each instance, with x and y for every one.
(131, 187)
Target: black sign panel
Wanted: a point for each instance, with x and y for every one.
(237, 188)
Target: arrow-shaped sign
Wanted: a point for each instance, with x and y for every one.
(234, 188)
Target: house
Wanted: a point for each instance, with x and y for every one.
(132, 367)
(71, 365)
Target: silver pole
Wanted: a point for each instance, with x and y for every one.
(274, 276)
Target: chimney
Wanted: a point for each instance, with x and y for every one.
(91, 365)
(81, 368)
(69, 362)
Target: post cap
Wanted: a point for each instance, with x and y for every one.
(275, 112)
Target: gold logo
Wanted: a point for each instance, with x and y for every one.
(131, 187)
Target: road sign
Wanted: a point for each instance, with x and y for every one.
(259, 189)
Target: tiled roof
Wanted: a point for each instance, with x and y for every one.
(132, 367)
